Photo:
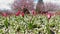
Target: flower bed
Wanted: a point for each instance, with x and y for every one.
(29, 24)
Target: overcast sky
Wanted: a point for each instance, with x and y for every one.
(53, 1)
(4, 4)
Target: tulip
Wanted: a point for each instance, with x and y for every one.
(48, 15)
(22, 14)
(4, 14)
(18, 13)
(33, 12)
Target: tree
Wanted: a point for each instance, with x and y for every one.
(40, 5)
(27, 3)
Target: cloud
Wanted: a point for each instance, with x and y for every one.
(35, 1)
(5, 4)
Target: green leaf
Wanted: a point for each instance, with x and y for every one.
(30, 25)
(6, 23)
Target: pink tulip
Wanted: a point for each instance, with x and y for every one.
(48, 15)
(33, 12)
(4, 14)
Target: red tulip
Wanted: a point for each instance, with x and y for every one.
(18, 13)
(22, 14)
(4, 14)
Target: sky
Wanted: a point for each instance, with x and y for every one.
(53, 1)
(35, 1)
(4, 4)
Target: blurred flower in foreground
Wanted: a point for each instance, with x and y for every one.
(4, 14)
(18, 13)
